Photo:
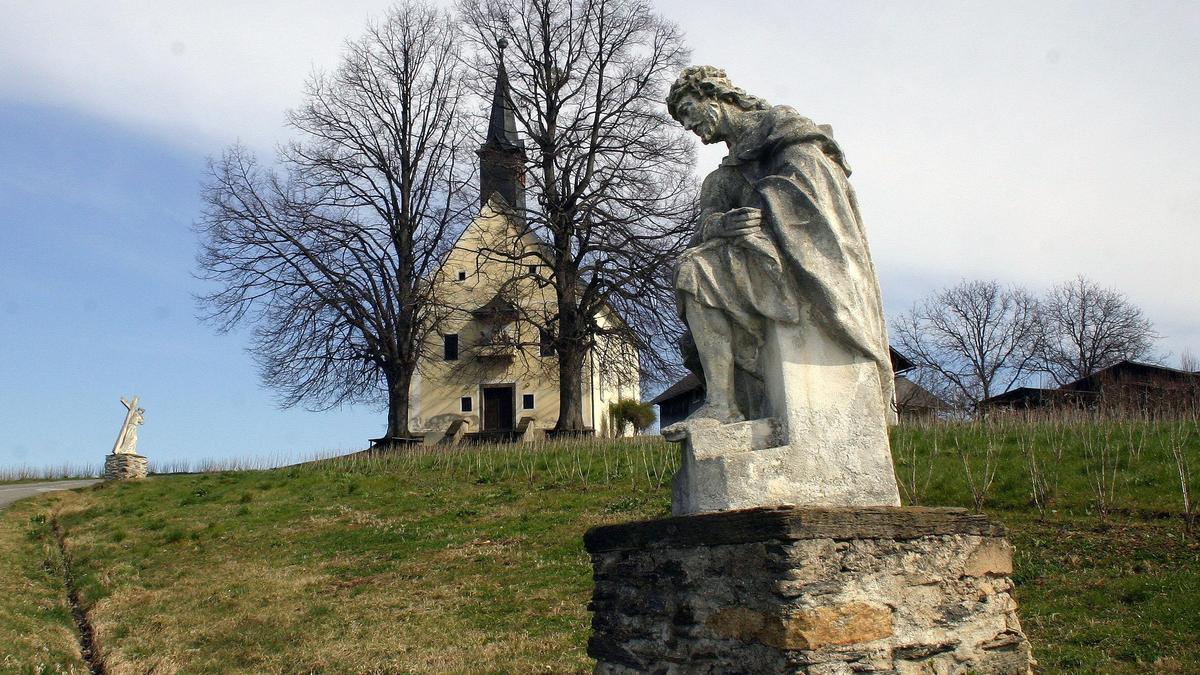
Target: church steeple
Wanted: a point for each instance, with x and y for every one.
(502, 155)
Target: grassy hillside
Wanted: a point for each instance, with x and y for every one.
(474, 561)
(37, 633)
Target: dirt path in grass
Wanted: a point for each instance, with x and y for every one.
(86, 633)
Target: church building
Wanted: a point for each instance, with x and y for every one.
(491, 375)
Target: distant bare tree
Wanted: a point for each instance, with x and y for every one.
(1088, 327)
(979, 336)
(608, 173)
(329, 257)
(1189, 361)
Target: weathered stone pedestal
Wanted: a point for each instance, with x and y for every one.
(123, 466)
(806, 590)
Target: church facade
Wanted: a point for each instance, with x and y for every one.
(489, 372)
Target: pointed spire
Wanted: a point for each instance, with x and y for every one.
(502, 127)
(502, 155)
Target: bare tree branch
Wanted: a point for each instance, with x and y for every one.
(610, 172)
(980, 337)
(328, 257)
(1089, 328)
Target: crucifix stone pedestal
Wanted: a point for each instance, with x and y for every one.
(125, 467)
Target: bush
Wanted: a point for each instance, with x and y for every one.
(629, 411)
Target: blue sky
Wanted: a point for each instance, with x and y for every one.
(96, 304)
(1022, 141)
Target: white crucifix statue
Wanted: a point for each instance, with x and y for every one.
(134, 417)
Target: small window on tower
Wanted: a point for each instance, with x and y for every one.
(462, 275)
(465, 403)
(533, 269)
(450, 347)
(527, 401)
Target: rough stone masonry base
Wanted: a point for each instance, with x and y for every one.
(806, 590)
(125, 467)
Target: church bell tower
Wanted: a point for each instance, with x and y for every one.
(502, 155)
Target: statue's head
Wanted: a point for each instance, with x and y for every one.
(703, 97)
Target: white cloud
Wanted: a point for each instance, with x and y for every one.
(1025, 141)
(199, 74)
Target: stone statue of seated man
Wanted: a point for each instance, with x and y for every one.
(782, 302)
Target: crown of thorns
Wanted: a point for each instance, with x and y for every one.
(710, 82)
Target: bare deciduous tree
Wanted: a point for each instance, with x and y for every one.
(1042, 468)
(1189, 361)
(608, 173)
(1177, 436)
(328, 257)
(1102, 464)
(979, 336)
(914, 469)
(980, 462)
(1088, 327)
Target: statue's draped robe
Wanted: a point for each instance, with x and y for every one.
(810, 255)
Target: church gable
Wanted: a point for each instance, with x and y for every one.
(492, 254)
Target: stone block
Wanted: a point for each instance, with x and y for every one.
(806, 590)
(844, 624)
(993, 557)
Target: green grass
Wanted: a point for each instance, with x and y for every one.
(1131, 460)
(473, 561)
(37, 632)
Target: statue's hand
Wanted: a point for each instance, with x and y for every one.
(737, 222)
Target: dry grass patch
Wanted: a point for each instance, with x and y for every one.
(37, 632)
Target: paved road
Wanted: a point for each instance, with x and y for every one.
(11, 493)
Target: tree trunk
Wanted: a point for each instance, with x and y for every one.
(570, 390)
(398, 382)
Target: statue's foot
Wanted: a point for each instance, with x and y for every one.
(706, 415)
(720, 413)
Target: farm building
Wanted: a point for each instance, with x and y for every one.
(1124, 387)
